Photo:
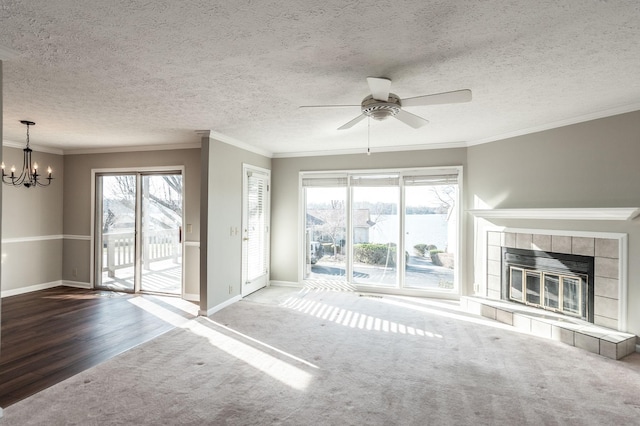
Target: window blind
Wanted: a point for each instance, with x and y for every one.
(324, 181)
(375, 180)
(256, 223)
(424, 180)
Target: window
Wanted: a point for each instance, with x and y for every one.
(393, 229)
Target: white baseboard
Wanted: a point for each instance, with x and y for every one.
(29, 289)
(191, 297)
(219, 307)
(77, 284)
(285, 284)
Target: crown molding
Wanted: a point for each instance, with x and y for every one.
(623, 109)
(238, 144)
(374, 150)
(38, 148)
(612, 213)
(117, 149)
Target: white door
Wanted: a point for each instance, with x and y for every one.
(255, 229)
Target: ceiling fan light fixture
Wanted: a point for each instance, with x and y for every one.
(380, 110)
(382, 104)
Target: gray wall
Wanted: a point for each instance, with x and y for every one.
(223, 253)
(285, 261)
(592, 164)
(77, 205)
(32, 226)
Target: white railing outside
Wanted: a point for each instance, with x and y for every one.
(119, 249)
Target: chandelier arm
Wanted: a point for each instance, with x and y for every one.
(39, 183)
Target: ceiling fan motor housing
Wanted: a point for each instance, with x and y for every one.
(379, 110)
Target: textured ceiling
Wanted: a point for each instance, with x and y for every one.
(98, 74)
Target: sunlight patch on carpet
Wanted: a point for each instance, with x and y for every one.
(353, 319)
(277, 368)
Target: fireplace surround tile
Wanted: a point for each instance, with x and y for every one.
(606, 307)
(493, 283)
(494, 253)
(494, 267)
(560, 244)
(494, 294)
(605, 322)
(606, 287)
(610, 349)
(583, 246)
(562, 334)
(488, 311)
(631, 345)
(509, 239)
(586, 342)
(541, 328)
(606, 267)
(523, 241)
(522, 323)
(504, 316)
(541, 242)
(606, 247)
(614, 346)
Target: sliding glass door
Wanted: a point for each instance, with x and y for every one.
(139, 232)
(375, 229)
(430, 231)
(161, 233)
(325, 233)
(391, 229)
(116, 197)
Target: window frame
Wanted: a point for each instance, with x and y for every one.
(455, 172)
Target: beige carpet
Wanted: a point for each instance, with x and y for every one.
(314, 357)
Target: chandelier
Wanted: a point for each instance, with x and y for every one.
(29, 176)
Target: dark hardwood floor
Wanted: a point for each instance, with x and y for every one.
(48, 336)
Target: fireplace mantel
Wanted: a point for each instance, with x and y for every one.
(614, 213)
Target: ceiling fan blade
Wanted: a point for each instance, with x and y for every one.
(352, 122)
(454, 97)
(379, 88)
(327, 106)
(411, 119)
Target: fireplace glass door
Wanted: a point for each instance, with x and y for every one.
(558, 292)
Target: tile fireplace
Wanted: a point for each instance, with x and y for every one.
(576, 276)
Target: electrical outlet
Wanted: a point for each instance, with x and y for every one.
(230, 289)
(75, 272)
(189, 228)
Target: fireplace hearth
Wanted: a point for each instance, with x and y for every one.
(557, 282)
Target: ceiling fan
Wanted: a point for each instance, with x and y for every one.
(381, 104)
